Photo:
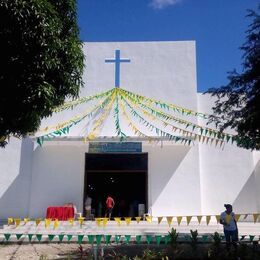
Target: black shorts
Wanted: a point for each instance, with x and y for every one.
(109, 210)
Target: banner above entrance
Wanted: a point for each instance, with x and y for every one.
(115, 147)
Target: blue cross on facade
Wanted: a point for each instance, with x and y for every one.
(117, 62)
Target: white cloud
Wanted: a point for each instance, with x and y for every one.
(160, 4)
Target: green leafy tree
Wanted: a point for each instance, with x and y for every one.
(238, 103)
(41, 62)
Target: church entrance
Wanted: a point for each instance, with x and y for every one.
(121, 175)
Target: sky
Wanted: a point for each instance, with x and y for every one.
(217, 26)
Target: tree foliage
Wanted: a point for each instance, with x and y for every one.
(41, 62)
(238, 103)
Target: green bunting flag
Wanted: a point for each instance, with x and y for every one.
(117, 238)
(138, 239)
(127, 238)
(242, 237)
(30, 237)
(251, 238)
(149, 239)
(158, 239)
(69, 237)
(18, 236)
(39, 237)
(91, 239)
(98, 239)
(80, 238)
(167, 239)
(50, 237)
(61, 237)
(7, 236)
(108, 237)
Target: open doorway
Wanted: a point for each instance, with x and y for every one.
(121, 175)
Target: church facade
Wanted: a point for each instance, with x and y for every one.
(166, 178)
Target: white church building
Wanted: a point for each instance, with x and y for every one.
(168, 178)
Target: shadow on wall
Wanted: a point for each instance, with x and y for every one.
(248, 199)
(15, 200)
(165, 161)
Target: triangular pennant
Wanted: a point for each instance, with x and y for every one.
(158, 239)
(237, 216)
(188, 219)
(18, 236)
(71, 221)
(217, 218)
(149, 239)
(39, 237)
(160, 220)
(167, 239)
(10, 221)
(138, 239)
(61, 236)
(26, 220)
(169, 220)
(128, 220)
(117, 238)
(98, 239)
(127, 238)
(7, 236)
(56, 223)
(30, 237)
(242, 237)
(80, 238)
(69, 237)
(251, 238)
(81, 221)
(118, 221)
(47, 222)
(149, 219)
(105, 220)
(17, 221)
(208, 219)
(50, 237)
(138, 219)
(179, 218)
(107, 238)
(38, 221)
(255, 216)
(91, 239)
(98, 222)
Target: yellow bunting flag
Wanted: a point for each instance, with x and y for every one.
(47, 222)
(179, 218)
(188, 219)
(199, 218)
(98, 221)
(237, 216)
(228, 218)
(138, 219)
(149, 219)
(10, 221)
(118, 221)
(169, 220)
(38, 221)
(81, 220)
(160, 220)
(208, 219)
(17, 221)
(105, 220)
(26, 220)
(217, 218)
(255, 216)
(128, 220)
(56, 223)
(71, 221)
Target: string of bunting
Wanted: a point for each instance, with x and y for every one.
(145, 110)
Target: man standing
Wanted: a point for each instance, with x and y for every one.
(110, 203)
(227, 219)
(88, 203)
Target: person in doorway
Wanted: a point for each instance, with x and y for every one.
(88, 202)
(227, 219)
(110, 203)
